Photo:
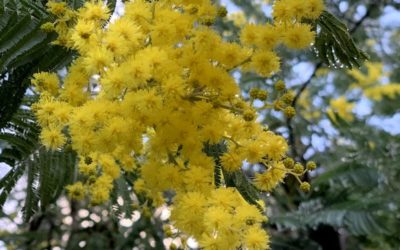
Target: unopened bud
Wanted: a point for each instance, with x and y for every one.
(47, 27)
(222, 12)
(298, 168)
(262, 95)
(288, 97)
(289, 112)
(311, 165)
(288, 162)
(278, 105)
(254, 93)
(305, 187)
(280, 85)
(249, 115)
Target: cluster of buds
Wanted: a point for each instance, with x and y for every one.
(282, 103)
(297, 170)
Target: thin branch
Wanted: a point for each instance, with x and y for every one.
(292, 135)
(305, 84)
(363, 18)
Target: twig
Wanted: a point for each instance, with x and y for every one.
(292, 135)
(305, 84)
(362, 19)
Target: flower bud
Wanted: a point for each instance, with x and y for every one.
(288, 162)
(254, 93)
(278, 105)
(305, 187)
(240, 104)
(249, 115)
(289, 112)
(311, 165)
(262, 95)
(288, 97)
(222, 12)
(298, 168)
(280, 85)
(47, 27)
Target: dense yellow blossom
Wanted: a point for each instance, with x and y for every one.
(57, 8)
(298, 36)
(150, 89)
(46, 82)
(289, 10)
(52, 137)
(265, 63)
(256, 238)
(77, 191)
(270, 179)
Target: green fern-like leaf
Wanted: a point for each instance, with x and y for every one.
(236, 179)
(239, 181)
(20, 30)
(26, 49)
(351, 175)
(334, 44)
(354, 216)
(43, 160)
(48, 172)
(216, 151)
(8, 182)
(13, 86)
(55, 171)
(31, 199)
(19, 138)
(218, 175)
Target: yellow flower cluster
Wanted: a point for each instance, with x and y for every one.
(370, 82)
(374, 74)
(342, 108)
(287, 10)
(148, 91)
(228, 221)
